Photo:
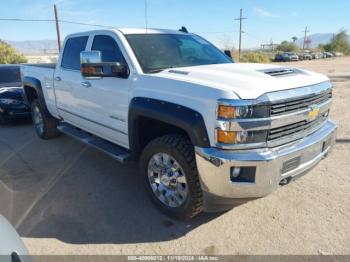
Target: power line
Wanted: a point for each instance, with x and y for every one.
(146, 14)
(53, 20)
(240, 19)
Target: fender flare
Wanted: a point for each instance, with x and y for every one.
(182, 117)
(36, 85)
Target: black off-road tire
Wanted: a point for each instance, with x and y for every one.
(180, 148)
(48, 129)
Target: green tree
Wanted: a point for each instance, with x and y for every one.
(340, 42)
(294, 38)
(286, 46)
(9, 55)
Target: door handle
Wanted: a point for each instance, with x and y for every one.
(58, 79)
(86, 84)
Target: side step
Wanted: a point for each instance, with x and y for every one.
(118, 153)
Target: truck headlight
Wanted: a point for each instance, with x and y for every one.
(227, 112)
(241, 137)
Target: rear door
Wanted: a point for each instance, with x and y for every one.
(68, 79)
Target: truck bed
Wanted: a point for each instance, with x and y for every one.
(46, 65)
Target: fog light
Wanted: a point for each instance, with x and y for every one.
(235, 172)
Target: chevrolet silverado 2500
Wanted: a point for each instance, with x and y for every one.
(208, 133)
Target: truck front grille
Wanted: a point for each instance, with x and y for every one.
(293, 130)
(297, 104)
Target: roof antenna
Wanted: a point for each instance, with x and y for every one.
(184, 30)
(146, 15)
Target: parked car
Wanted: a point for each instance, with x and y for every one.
(317, 55)
(279, 58)
(208, 133)
(12, 248)
(307, 56)
(12, 104)
(328, 54)
(290, 56)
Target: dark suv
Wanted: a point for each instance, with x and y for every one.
(12, 104)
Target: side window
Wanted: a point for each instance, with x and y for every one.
(72, 50)
(109, 49)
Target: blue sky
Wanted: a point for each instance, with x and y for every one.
(213, 19)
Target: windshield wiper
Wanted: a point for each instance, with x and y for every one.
(154, 71)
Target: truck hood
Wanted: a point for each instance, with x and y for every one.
(248, 81)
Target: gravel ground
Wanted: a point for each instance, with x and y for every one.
(65, 198)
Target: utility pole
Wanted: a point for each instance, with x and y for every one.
(240, 19)
(146, 14)
(57, 28)
(306, 31)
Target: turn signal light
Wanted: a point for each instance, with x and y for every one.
(226, 137)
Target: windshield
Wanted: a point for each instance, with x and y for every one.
(156, 52)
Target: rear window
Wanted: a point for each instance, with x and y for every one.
(10, 76)
(72, 50)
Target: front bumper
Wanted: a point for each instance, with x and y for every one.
(20, 111)
(214, 167)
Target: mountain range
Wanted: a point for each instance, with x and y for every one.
(35, 47)
(318, 39)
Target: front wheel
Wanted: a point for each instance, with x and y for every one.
(170, 175)
(45, 125)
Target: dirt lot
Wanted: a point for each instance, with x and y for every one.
(65, 198)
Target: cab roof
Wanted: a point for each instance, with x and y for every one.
(133, 31)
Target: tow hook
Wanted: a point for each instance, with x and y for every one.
(285, 181)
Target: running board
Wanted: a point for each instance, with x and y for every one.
(118, 153)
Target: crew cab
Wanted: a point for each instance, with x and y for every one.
(208, 133)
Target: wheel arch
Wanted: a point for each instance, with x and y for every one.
(33, 90)
(151, 118)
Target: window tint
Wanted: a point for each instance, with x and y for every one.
(72, 50)
(109, 49)
(156, 52)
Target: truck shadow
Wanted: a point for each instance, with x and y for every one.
(64, 190)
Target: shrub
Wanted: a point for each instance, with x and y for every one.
(255, 57)
(9, 55)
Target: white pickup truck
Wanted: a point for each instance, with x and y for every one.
(208, 133)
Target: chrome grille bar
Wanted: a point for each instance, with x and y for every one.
(299, 104)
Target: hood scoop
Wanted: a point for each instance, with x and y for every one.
(279, 72)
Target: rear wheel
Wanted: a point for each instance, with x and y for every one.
(45, 125)
(170, 175)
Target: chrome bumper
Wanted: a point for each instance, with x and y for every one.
(214, 165)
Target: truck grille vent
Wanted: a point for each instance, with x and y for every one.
(296, 128)
(280, 72)
(293, 105)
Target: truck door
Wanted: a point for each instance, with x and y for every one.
(68, 79)
(104, 101)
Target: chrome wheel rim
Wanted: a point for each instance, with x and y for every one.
(38, 120)
(167, 180)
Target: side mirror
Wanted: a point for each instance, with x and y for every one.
(91, 65)
(228, 53)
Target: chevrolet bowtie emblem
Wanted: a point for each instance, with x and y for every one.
(313, 114)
